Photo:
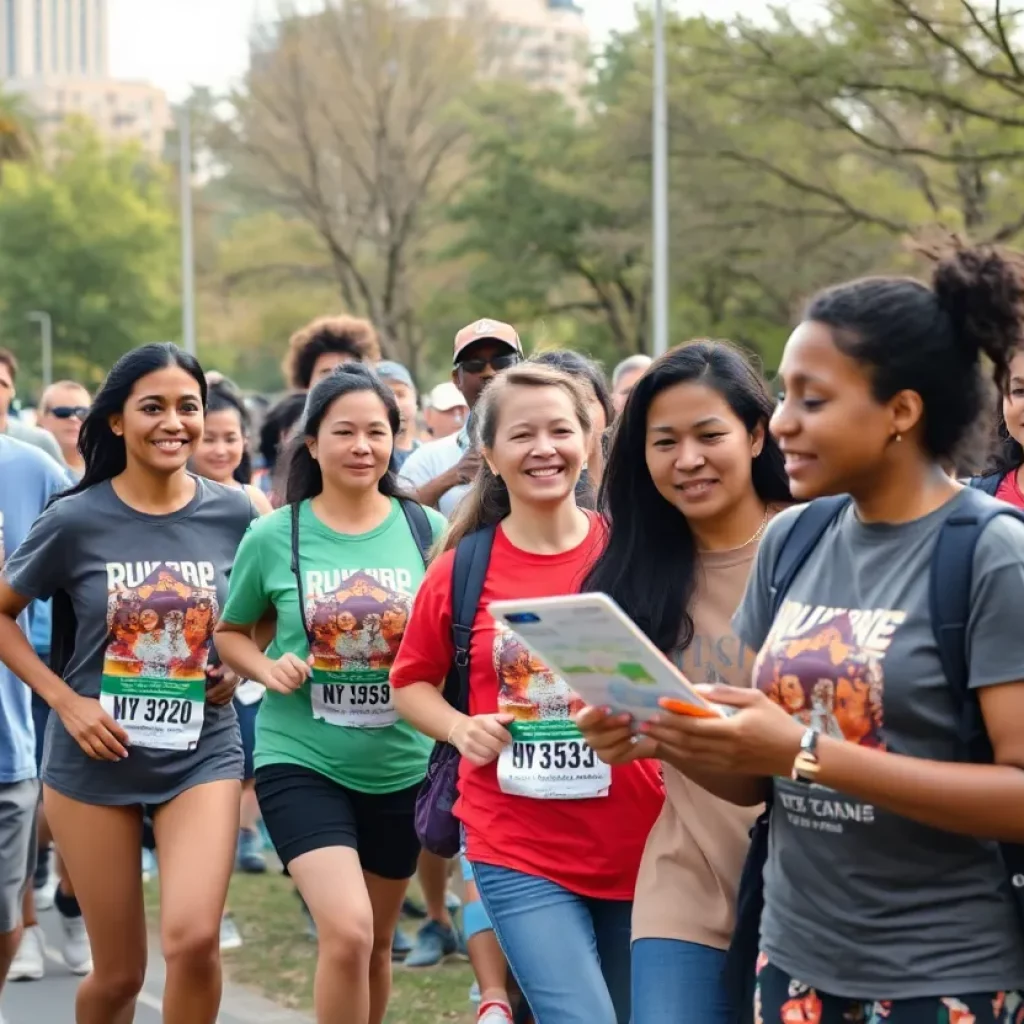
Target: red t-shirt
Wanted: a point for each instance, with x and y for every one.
(591, 847)
(1009, 490)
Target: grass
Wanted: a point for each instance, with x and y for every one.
(278, 958)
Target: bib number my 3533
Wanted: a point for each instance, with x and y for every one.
(550, 760)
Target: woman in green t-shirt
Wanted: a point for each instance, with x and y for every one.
(337, 772)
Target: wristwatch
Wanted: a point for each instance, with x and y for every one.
(806, 766)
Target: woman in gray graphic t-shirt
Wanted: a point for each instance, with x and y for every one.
(886, 893)
(136, 557)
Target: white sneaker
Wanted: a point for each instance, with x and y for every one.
(74, 946)
(30, 961)
(494, 1013)
(230, 936)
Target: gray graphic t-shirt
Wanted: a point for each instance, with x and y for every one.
(146, 593)
(862, 903)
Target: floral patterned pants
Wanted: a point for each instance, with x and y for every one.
(781, 999)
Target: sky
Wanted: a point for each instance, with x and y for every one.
(178, 43)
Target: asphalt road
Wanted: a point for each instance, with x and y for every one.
(52, 1000)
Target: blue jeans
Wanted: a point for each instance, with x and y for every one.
(570, 954)
(675, 981)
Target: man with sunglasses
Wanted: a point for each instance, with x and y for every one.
(62, 409)
(440, 472)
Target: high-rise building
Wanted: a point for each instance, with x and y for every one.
(544, 42)
(55, 52)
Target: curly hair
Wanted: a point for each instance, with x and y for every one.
(346, 334)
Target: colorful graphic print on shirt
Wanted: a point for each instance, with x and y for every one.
(527, 689)
(160, 617)
(356, 620)
(825, 666)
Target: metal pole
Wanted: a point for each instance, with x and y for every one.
(660, 186)
(188, 271)
(45, 322)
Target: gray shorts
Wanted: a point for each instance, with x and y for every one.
(19, 803)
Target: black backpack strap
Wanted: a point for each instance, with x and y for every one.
(949, 602)
(802, 539)
(419, 527)
(987, 484)
(472, 556)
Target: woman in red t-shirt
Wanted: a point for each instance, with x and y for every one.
(1004, 482)
(555, 853)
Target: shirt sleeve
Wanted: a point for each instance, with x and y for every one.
(995, 640)
(753, 619)
(38, 567)
(419, 469)
(248, 598)
(426, 651)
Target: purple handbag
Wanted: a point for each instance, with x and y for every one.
(437, 827)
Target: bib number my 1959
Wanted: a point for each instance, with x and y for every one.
(160, 714)
(551, 761)
(356, 705)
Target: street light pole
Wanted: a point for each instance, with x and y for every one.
(188, 271)
(45, 322)
(660, 215)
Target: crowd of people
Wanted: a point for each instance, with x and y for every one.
(222, 618)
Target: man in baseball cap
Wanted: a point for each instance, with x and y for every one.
(440, 472)
(446, 411)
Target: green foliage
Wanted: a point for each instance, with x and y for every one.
(92, 242)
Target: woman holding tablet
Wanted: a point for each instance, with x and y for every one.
(693, 478)
(555, 852)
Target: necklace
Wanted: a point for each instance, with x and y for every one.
(746, 543)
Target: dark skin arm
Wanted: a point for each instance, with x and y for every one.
(461, 473)
(985, 800)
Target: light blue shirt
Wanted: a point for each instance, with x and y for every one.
(28, 479)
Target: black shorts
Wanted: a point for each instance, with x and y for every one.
(305, 811)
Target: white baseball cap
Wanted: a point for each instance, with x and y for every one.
(446, 397)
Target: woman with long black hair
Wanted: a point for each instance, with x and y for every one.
(136, 557)
(693, 478)
(337, 773)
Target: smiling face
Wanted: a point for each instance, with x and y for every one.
(221, 447)
(539, 446)
(699, 452)
(354, 442)
(832, 430)
(1013, 400)
(162, 420)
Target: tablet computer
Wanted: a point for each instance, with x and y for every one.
(601, 654)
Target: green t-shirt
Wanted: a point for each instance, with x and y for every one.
(358, 595)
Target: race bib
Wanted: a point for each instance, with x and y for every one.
(550, 760)
(159, 714)
(356, 705)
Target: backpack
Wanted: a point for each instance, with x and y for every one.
(952, 568)
(988, 484)
(436, 826)
(419, 527)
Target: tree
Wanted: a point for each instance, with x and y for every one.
(18, 141)
(556, 218)
(93, 242)
(350, 119)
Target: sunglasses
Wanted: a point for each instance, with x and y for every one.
(496, 363)
(65, 412)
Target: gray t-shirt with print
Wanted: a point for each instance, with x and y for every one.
(859, 902)
(146, 592)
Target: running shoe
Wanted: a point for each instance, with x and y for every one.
(249, 858)
(401, 946)
(412, 909)
(74, 945)
(30, 961)
(495, 1013)
(230, 936)
(434, 942)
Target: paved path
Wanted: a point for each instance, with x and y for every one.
(52, 1000)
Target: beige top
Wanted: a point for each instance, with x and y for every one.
(694, 855)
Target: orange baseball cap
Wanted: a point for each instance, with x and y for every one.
(487, 330)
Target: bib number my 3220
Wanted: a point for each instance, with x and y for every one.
(159, 714)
